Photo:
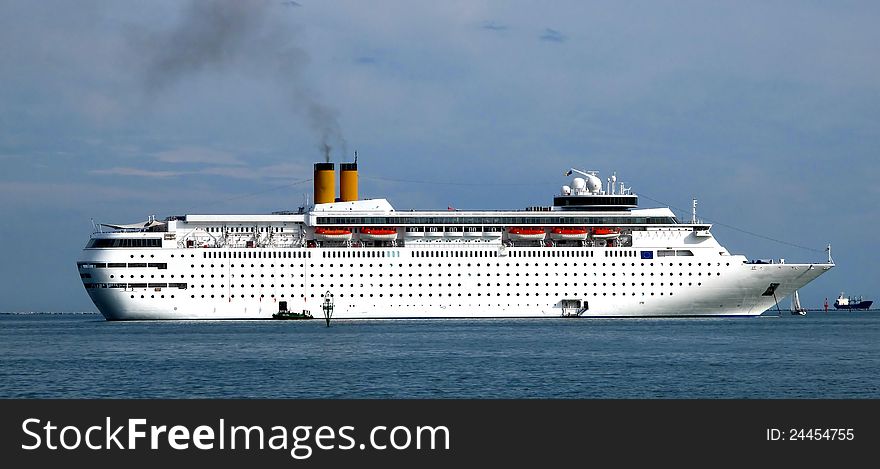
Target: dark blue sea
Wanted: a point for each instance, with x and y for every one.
(821, 355)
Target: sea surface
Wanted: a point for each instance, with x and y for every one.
(821, 355)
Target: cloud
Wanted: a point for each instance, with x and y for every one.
(274, 171)
(127, 171)
(101, 108)
(493, 26)
(552, 35)
(225, 171)
(286, 170)
(366, 60)
(192, 154)
(59, 194)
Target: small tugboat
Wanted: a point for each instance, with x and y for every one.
(284, 313)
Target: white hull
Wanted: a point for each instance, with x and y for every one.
(732, 288)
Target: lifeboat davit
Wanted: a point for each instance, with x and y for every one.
(605, 233)
(520, 234)
(378, 234)
(333, 234)
(568, 232)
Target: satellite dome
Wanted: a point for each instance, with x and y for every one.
(595, 184)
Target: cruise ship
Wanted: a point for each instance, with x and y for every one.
(592, 253)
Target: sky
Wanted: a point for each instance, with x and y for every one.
(111, 111)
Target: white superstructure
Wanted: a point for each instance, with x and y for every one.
(591, 254)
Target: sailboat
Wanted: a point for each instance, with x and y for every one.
(796, 308)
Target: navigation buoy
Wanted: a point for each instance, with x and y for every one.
(327, 306)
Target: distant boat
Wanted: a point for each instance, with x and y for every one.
(852, 302)
(284, 313)
(796, 308)
(291, 315)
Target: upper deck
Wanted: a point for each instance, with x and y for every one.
(581, 209)
(501, 218)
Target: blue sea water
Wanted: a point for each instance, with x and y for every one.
(821, 355)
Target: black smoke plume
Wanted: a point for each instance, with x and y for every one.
(249, 35)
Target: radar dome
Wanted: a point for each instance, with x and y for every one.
(595, 183)
(579, 184)
(566, 190)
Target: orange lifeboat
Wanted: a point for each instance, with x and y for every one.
(605, 233)
(333, 234)
(569, 232)
(378, 234)
(529, 233)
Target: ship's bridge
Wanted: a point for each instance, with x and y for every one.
(590, 203)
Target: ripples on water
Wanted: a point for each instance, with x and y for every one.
(821, 355)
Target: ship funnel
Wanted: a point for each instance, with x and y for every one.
(348, 182)
(325, 183)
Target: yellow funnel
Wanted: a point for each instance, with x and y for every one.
(348, 182)
(325, 183)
